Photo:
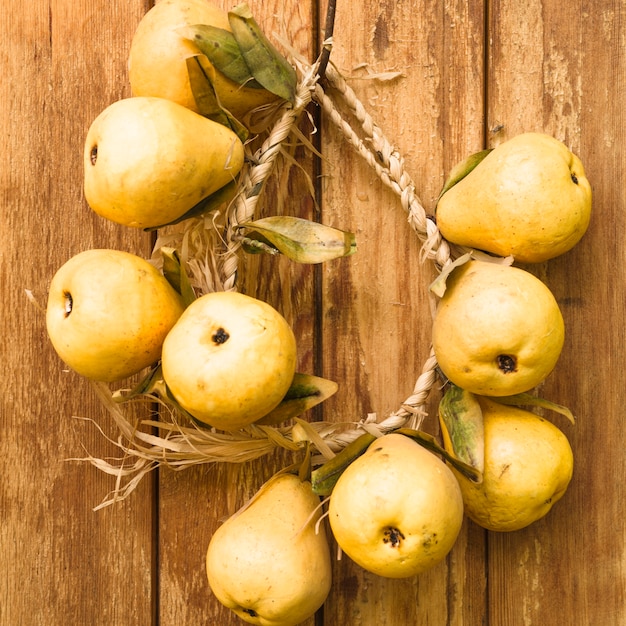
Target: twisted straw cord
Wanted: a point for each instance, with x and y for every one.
(387, 162)
(263, 162)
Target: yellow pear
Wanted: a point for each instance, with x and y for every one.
(230, 359)
(397, 509)
(147, 161)
(108, 313)
(498, 329)
(527, 468)
(270, 563)
(158, 50)
(528, 198)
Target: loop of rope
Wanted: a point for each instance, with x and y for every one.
(178, 446)
(388, 164)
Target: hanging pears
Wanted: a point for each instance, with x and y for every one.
(270, 562)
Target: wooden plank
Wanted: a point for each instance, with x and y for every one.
(559, 68)
(551, 66)
(62, 563)
(377, 313)
(193, 503)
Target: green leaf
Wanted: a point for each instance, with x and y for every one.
(305, 392)
(264, 61)
(527, 399)
(461, 420)
(462, 169)
(325, 477)
(206, 205)
(201, 79)
(430, 443)
(203, 90)
(301, 240)
(221, 48)
(175, 273)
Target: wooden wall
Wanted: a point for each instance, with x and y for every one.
(442, 79)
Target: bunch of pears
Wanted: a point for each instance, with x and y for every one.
(171, 151)
(396, 502)
(498, 331)
(176, 145)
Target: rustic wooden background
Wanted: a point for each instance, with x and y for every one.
(471, 74)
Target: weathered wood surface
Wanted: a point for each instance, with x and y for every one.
(471, 74)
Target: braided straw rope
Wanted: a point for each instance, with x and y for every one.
(179, 445)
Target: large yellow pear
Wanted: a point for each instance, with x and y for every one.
(157, 65)
(528, 198)
(108, 313)
(230, 359)
(397, 509)
(270, 563)
(147, 161)
(498, 329)
(528, 467)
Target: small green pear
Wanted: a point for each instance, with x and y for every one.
(147, 161)
(270, 562)
(528, 198)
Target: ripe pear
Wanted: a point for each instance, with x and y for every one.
(270, 562)
(230, 359)
(528, 198)
(397, 509)
(109, 312)
(147, 161)
(528, 465)
(498, 329)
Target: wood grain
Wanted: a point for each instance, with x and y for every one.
(193, 504)
(441, 80)
(62, 563)
(558, 69)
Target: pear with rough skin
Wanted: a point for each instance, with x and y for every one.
(147, 161)
(270, 562)
(108, 313)
(528, 465)
(397, 509)
(498, 329)
(528, 198)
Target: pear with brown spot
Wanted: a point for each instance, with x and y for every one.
(396, 510)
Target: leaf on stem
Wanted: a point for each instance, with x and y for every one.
(264, 61)
(176, 275)
(299, 239)
(325, 477)
(202, 80)
(305, 392)
(462, 169)
(527, 399)
(461, 420)
(221, 48)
